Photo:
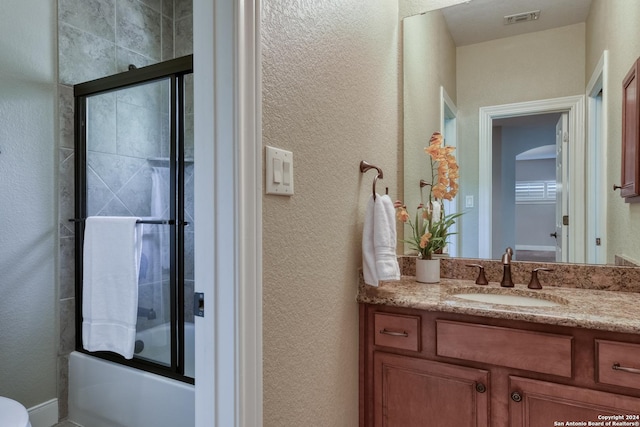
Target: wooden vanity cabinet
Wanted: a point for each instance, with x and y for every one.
(543, 404)
(413, 392)
(445, 369)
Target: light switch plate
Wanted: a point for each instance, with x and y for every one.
(468, 202)
(279, 171)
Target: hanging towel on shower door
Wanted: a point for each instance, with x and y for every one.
(111, 263)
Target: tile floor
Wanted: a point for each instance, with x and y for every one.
(67, 424)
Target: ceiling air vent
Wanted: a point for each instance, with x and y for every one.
(521, 17)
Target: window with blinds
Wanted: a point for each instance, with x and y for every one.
(535, 191)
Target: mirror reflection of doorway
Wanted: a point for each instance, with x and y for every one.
(449, 126)
(528, 212)
(494, 223)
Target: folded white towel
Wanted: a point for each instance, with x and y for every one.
(368, 251)
(379, 259)
(111, 263)
(384, 239)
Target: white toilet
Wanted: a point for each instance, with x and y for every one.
(13, 414)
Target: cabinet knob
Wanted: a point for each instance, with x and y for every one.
(616, 187)
(481, 388)
(516, 397)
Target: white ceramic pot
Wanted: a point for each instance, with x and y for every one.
(428, 270)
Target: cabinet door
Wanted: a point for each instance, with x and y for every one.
(630, 186)
(415, 392)
(543, 404)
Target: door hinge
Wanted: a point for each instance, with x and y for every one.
(598, 241)
(198, 304)
(565, 220)
(565, 137)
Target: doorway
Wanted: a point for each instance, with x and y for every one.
(133, 158)
(449, 126)
(596, 221)
(528, 177)
(228, 180)
(488, 233)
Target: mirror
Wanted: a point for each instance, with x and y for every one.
(471, 83)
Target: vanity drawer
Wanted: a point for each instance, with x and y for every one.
(618, 363)
(513, 348)
(397, 331)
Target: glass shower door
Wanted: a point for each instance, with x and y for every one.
(188, 252)
(135, 159)
(127, 147)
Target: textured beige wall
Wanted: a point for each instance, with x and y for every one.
(330, 95)
(28, 208)
(429, 61)
(541, 65)
(613, 25)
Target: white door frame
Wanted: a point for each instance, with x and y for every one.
(596, 221)
(449, 129)
(574, 105)
(228, 212)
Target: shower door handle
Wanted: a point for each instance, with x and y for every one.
(198, 304)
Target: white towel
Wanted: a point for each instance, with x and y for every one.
(379, 259)
(111, 263)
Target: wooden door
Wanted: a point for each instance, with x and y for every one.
(411, 392)
(630, 185)
(542, 404)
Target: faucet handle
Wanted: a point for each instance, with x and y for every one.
(482, 279)
(508, 255)
(534, 283)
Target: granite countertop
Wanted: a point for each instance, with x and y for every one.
(607, 310)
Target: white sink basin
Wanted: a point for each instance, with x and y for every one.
(505, 299)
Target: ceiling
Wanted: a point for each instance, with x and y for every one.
(482, 20)
(546, 119)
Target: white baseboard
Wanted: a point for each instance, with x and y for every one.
(535, 248)
(44, 414)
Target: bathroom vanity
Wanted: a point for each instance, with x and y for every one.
(428, 357)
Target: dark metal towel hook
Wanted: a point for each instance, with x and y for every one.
(364, 167)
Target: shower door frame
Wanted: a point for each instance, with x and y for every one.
(175, 70)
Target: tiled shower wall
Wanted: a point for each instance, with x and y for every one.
(97, 38)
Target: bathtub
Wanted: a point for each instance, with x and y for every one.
(106, 394)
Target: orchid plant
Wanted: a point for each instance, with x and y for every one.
(431, 228)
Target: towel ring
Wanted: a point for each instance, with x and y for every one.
(364, 167)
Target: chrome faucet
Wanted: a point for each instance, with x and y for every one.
(506, 266)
